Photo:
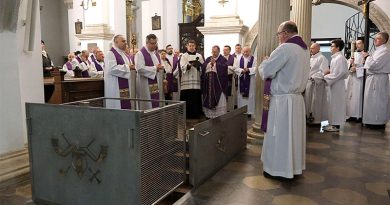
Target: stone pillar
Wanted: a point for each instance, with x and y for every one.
(301, 14)
(271, 15)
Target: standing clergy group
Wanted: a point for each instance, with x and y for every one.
(210, 88)
(336, 93)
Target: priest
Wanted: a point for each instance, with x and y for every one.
(231, 94)
(315, 93)
(190, 64)
(148, 64)
(245, 69)
(68, 67)
(376, 93)
(97, 66)
(214, 84)
(117, 74)
(283, 153)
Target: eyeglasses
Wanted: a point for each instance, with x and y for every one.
(278, 33)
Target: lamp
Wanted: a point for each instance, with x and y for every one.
(85, 4)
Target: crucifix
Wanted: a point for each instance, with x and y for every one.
(223, 2)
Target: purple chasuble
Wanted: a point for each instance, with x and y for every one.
(84, 73)
(69, 65)
(245, 79)
(153, 85)
(214, 84)
(122, 82)
(267, 85)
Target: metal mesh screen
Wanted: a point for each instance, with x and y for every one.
(162, 148)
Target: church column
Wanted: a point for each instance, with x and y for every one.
(301, 14)
(271, 15)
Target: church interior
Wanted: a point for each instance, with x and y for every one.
(61, 142)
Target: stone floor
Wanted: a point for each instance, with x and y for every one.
(347, 168)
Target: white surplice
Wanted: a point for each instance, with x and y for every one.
(93, 72)
(315, 94)
(336, 89)
(355, 88)
(376, 93)
(69, 73)
(250, 100)
(283, 152)
(144, 73)
(111, 73)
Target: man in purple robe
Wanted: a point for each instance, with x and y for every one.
(214, 84)
(148, 64)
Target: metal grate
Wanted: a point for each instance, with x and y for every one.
(162, 148)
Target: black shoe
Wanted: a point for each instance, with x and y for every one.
(375, 127)
(282, 179)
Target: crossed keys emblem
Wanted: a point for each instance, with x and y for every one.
(81, 155)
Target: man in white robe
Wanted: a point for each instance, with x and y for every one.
(283, 152)
(335, 82)
(148, 64)
(376, 93)
(355, 83)
(245, 68)
(315, 93)
(68, 67)
(117, 74)
(214, 84)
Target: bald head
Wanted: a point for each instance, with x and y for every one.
(314, 48)
(286, 30)
(246, 51)
(120, 42)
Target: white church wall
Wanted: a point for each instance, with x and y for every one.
(74, 14)
(54, 29)
(248, 12)
(21, 82)
(329, 20)
(221, 41)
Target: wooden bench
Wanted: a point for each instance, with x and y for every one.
(70, 90)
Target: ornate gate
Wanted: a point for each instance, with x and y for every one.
(189, 31)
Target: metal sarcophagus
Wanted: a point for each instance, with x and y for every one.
(214, 143)
(83, 154)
